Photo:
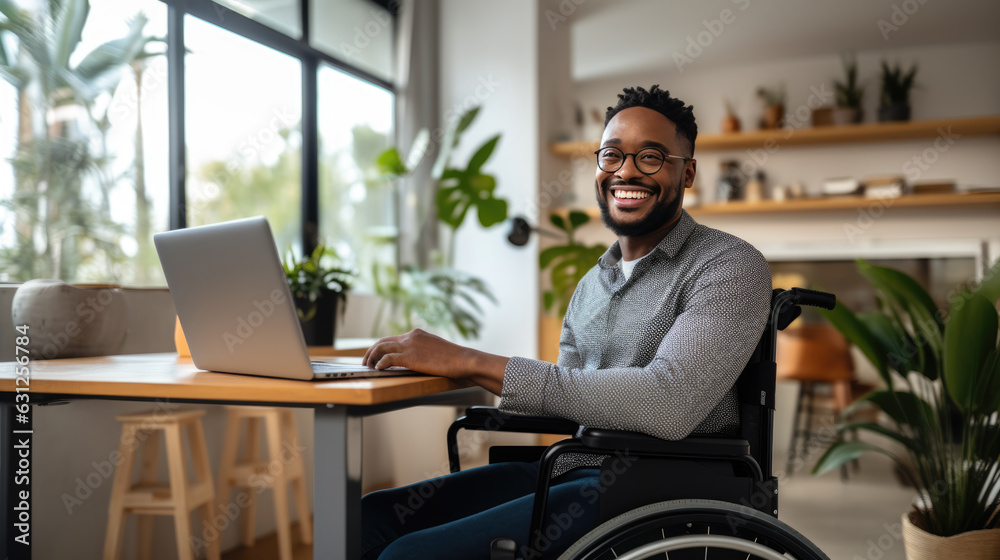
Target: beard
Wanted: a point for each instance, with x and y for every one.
(656, 218)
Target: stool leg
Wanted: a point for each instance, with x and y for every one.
(178, 491)
(807, 439)
(147, 475)
(253, 456)
(121, 485)
(793, 446)
(199, 456)
(280, 487)
(299, 480)
(229, 447)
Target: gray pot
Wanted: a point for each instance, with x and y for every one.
(67, 321)
(887, 113)
(847, 115)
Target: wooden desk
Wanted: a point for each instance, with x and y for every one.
(338, 408)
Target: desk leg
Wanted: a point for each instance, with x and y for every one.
(337, 485)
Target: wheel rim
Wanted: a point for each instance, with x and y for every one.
(697, 519)
(702, 541)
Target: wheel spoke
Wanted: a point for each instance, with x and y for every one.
(708, 531)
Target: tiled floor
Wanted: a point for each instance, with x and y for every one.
(856, 520)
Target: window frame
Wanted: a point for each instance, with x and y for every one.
(310, 58)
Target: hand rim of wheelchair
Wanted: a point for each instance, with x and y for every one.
(674, 544)
(681, 512)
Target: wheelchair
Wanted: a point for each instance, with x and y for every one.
(725, 508)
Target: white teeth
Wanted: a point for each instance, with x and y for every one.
(631, 194)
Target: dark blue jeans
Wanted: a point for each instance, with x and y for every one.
(457, 516)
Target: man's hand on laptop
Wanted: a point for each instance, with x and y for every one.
(433, 355)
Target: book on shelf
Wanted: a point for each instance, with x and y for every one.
(885, 186)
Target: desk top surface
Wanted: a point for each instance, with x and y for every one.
(170, 376)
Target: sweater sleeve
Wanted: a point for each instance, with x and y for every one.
(695, 365)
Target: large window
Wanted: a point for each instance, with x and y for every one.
(117, 136)
(244, 158)
(83, 159)
(357, 209)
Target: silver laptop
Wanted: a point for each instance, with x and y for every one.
(235, 306)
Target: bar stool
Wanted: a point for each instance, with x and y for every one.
(149, 497)
(819, 358)
(283, 466)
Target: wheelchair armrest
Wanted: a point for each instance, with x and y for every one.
(706, 446)
(491, 419)
(494, 420)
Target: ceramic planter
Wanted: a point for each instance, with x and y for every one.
(847, 115)
(774, 116)
(730, 124)
(319, 330)
(889, 113)
(66, 321)
(921, 545)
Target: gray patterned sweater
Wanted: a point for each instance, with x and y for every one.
(657, 352)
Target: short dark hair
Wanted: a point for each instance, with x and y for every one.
(660, 101)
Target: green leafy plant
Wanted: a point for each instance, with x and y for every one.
(457, 190)
(438, 297)
(850, 92)
(567, 264)
(942, 395)
(312, 277)
(896, 84)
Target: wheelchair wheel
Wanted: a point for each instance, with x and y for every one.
(693, 529)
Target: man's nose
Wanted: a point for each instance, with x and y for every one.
(629, 168)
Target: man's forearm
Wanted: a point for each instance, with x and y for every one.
(487, 371)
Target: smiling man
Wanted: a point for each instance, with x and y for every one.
(653, 341)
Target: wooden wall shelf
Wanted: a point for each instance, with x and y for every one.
(848, 134)
(953, 200)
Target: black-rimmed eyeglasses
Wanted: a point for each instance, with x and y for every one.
(648, 160)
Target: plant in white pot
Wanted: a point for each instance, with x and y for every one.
(942, 396)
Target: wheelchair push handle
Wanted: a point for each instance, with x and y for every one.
(813, 298)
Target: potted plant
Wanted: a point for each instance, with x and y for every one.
(730, 123)
(774, 105)
(440, 298)
(849, 94)
(894, 103)
(436, 294)
(566, 265)
(942, 396)
(318, 282)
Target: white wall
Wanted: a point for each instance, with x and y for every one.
(494, 42)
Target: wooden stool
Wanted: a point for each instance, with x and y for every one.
(283, 466)
(149, 497)
(819, 358)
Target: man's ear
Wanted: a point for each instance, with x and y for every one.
(689, 172)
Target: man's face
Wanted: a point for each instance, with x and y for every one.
(632, 203)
